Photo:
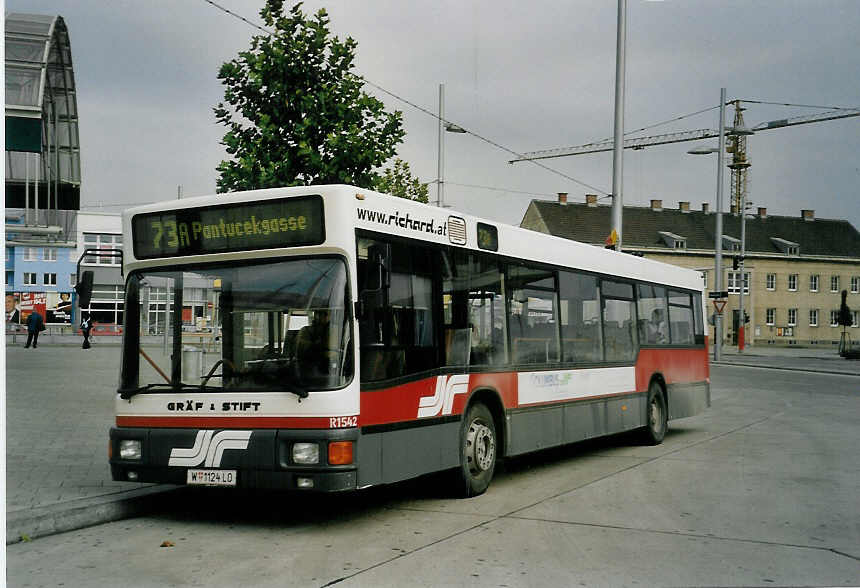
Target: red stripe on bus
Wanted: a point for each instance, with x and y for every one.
(678, 366)
(400, 403)
(226, 422)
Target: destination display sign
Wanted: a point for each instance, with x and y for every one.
(242, 226)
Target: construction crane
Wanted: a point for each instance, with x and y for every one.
(740, 164)
(736, 145)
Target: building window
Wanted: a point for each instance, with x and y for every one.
(834, 283)
(106, 306)
(10, 276)
(813, 283)
(73, 280)
(770, 282)
(102, 241)
(31, 254)
(7, 254)
(813, 317)
(680, 244)
(735, 282)
(29, 278)
(771, 315)
(855, 318)
(50, 253)
(49, 279)
(792, 282)
(855, 284)
(792, 250)
(731, 244)
(792, 317)
(834, 318)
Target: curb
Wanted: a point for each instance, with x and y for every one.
(31, 523)
(788, 369)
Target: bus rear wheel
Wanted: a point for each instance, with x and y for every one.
(477, 450)
(658, 415)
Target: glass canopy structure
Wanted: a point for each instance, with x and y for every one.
(43, 167)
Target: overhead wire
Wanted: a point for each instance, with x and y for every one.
(424, 110)
(800, 105)
(495, 189)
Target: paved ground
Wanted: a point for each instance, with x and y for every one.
(821, 359)
(758, 490)
(59, 403)
(59, 407)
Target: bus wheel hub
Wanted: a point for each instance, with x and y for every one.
(480, 447)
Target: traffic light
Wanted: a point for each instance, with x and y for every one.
(84, 288)
(735, 262)
(746, 317)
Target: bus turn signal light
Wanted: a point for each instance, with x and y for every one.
(340, 453)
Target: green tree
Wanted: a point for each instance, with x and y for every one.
(296, 113)
(398, 180)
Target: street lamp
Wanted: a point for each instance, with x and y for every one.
(718, 239)
(444, 126)
(703, 150)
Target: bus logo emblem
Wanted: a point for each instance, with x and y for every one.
(443, 399)
(209, 448)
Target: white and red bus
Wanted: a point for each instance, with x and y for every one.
(331, 338)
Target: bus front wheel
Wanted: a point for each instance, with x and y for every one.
(477, 450)
(657, 417)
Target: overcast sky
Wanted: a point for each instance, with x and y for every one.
(526, 75)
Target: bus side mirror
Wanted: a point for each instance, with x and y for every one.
(84, 289)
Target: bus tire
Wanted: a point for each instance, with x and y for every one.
(478, 450)
(657, 415)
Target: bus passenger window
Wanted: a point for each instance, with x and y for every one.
(653, 322)
(396, 327)
(532, 315)
(619, 321)
(581, 335)
(488, 344)
(681, 326)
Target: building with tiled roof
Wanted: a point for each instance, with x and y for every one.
(796, 266)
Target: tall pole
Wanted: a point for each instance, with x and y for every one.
(718, 237)
(27, 188)
(618, 145)
(36, 187)
(440, 162)
(57, 167)
(48, 166)
(741, 330)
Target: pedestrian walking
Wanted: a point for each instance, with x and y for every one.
(86, 326)
(35, 325)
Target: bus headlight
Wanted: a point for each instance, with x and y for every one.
(306, 453)
(129, 449)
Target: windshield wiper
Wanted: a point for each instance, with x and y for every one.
(160, 387)
(128, 393)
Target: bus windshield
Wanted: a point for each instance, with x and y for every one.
(249, 326)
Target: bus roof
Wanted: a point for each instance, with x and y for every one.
(394, 216)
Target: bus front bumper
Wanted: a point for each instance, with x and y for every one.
(260, 458)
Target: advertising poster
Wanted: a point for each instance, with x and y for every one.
(30, 302)
(55, 307)
(13, 310)
(59, 308)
